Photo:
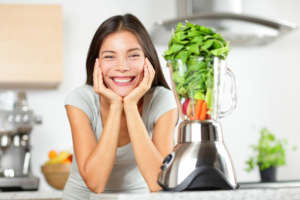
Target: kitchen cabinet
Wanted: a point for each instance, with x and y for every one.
(31, 46)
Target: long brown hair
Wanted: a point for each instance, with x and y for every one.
(130, 23)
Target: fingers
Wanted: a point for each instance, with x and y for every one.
(146, 75)
(151, 72)
(100, 77)
(95, 75)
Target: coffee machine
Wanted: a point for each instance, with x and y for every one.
(200, 160)
(15, 155)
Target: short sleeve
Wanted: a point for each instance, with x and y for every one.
(82, 99)
(164, 101)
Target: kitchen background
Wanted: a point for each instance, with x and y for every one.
(267, 79)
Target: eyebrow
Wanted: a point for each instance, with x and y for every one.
(109, 51)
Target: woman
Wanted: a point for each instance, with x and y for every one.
(123, 118)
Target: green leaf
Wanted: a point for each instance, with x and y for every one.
(211, 31)
(217, 44)
(197, 39)
(207, 37)
(168, 57)
(194, 49)
(176, 47)
(179, 26)
(189, 24)
(168, 52)
(203, 29)
(218, 52)
(182, 55)
(177, 78)
(207, 44)
(177, 41)
(197, 66)
(179, 36)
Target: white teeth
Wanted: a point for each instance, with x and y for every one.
(123, 80)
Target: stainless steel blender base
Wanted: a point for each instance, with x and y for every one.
(199, 161)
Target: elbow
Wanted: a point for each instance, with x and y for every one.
(96, 188)
(93, 184)
(155, 188)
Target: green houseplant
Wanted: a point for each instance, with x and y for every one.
(269, 154)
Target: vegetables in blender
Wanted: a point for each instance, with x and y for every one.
(191, 52)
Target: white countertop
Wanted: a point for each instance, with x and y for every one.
(245, 194)
(42, 195)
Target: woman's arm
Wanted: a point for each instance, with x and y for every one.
(95, 160)
(150, 154)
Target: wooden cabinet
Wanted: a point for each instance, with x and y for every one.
(31, 48)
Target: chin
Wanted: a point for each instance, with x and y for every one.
(122, 93)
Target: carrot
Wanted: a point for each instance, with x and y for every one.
(192, 118)
(203, 111)
(197, 110)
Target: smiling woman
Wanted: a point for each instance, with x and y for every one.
(123, 118)
(121, 59)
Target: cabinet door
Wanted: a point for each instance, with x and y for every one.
(30, 46)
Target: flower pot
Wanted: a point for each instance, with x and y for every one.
(268, 175)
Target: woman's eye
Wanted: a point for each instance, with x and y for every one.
(108, 56)
(135, 55)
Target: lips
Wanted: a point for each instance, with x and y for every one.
(122, 80)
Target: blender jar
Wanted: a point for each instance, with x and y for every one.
(198, 86)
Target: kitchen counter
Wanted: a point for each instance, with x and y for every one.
(289, 190)
(42, 195)
(247, 194)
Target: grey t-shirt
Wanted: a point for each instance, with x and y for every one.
(125, 176)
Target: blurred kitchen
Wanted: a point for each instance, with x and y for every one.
(267, 78)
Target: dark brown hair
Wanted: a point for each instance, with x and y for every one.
(130, 23)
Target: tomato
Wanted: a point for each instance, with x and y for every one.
(71, 157)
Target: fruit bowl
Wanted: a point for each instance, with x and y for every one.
(56, 175)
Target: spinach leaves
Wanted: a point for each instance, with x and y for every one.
(190, 52)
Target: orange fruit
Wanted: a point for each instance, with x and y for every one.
(67, 161)
(52, 154)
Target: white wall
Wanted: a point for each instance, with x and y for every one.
(266, 78)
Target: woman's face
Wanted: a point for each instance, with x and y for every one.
(121, 60)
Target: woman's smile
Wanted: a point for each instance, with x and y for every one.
(123, 80)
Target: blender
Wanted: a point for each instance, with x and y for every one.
(200, 160)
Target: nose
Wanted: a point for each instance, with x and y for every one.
(122, 66)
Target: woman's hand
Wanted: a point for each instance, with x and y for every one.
(136, 94)
(100, 88)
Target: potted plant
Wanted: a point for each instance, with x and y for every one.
(269, 154)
